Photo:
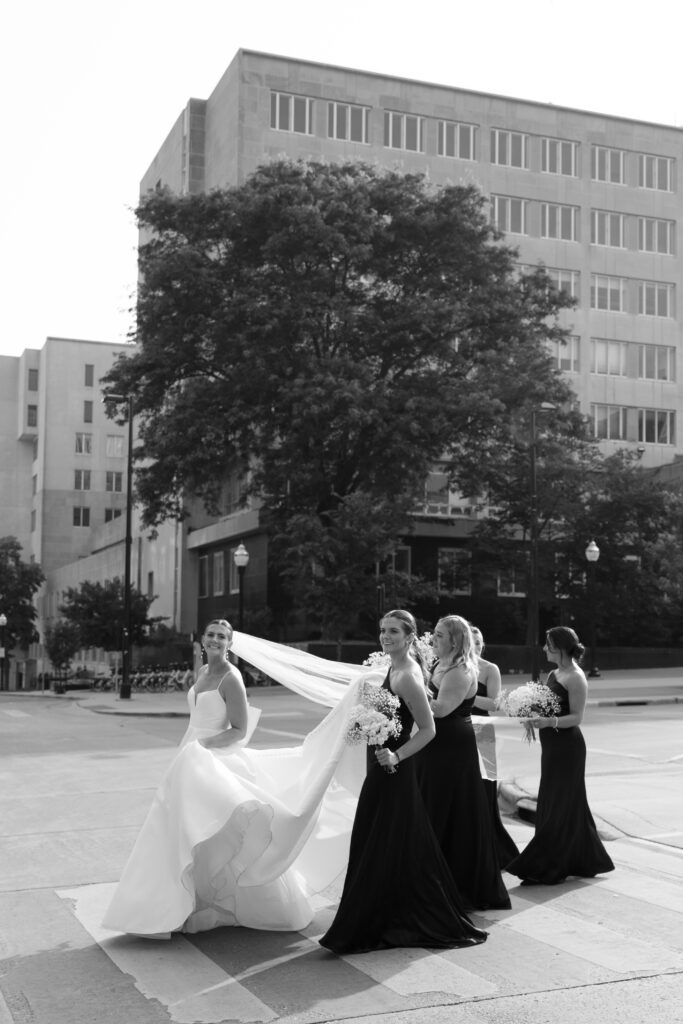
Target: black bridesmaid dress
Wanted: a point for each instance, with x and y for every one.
(506, 849)
(453, 791)
(398, 889)
(566, 841)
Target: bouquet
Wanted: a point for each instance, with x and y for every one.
(423, 643)
(531, 700)
(375, 719)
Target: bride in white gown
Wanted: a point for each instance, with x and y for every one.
(237, 836)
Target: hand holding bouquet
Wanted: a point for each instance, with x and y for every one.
(375, 719)
(532, 700)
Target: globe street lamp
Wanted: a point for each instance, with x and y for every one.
(592, 553)
(3, 623)
(241, 559)
(124, 692)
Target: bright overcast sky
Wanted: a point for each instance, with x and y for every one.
(91, 88)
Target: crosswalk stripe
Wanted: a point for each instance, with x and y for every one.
(412, 971)
(192, 987)
(16, 714)
(594, 942)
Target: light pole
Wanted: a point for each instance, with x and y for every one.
(124, 692)
(533, 602)
(241, 559)
(3, 623)
(592, 553)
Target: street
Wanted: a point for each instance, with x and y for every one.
(76, 785)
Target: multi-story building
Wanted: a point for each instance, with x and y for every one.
(63, 484)
(596, 199)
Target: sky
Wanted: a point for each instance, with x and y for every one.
(91, 88)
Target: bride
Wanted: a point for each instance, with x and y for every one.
(237, 836)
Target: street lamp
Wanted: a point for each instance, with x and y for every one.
(533, 603)
(241, 559)
(592, 553)
(124, 692)
(3, 623)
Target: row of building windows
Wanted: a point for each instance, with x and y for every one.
(617, 358)
(81, 515)
(562, 222)
(618, 294)
(349, 122)
(212, 574)
(114, 447)
(89, 377)
(113, 480)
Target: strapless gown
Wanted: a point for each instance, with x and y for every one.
(240, 836)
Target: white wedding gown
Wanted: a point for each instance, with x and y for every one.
(240, 836)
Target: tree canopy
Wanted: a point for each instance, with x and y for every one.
(97, 610)
(332, 329)
(19, 581)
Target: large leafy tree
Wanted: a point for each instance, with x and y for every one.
(62, 640)
(19, 582)
(97, 609)
(334, 328)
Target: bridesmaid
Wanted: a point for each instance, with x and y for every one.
(486, 701)
(449, 775)
(565, 841)
(398, 890)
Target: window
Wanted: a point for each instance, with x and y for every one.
(609, 422)
(565, 280)
(456, 140)
(150, 584)
(607, 228)
(81, 515)
(219, 572)
(656, 362)
(655, 172)
(32, 416)
(87, 412)
(33, 520)
(566, 353)
(608, 293)
(656, 235)
(203, 576)
(512, 581)
(113, 481)
(346, 122)
(657, 426)
(453, 570)
(111, 513)
(89, 375)
(34, 484)
(559, 222)
(82, 480)
(608, 357)
(404, 131)
(559, 157)
(608, 165)
(84, 444)
(114, 447)
(33, 380)
(291, 113)
(655, 299)
(509, 149)
(509, 214)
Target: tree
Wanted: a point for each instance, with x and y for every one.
(19, 582)
(62, 640)
(333, 329)
(97, 609)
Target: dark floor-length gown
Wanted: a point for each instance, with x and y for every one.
(565, 841)
(453, 791)
(398, 889)
(506, 849)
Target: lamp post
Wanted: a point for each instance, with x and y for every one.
(3, 623)
(533, 602)
(124, 692)
(592, 553)
(241, 559)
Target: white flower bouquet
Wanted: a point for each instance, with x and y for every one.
(532, 700)
(375, 720)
